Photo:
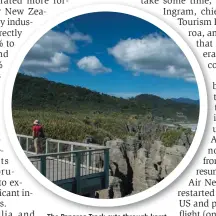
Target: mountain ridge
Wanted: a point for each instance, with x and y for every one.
(39, 93)
(185, 100)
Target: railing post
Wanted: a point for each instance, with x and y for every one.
(87, 161)
(77, 172)
(43, 165)
(106, 168)
(27, 144)
(58, 148)
(71, 159)
(46, 147)
(71, 149)
(90, 158)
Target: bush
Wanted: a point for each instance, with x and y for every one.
(170, 137)
(70, 127)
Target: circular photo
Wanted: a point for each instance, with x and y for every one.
(105, 105)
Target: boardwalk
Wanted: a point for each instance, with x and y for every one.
(59, 169)
(82, 171)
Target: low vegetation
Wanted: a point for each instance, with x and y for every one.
(171, 137)
(71, 127)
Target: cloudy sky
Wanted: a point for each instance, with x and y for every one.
(112, 53)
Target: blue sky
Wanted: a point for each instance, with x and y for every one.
(112, 53)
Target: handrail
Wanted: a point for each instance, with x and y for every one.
(90, 145)
(65, 153)
(76, 164)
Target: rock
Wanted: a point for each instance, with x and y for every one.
(153, 163)
(105, 140)
(132, 144)
(102, 194)
(118, 163)
(132, 127)
(173, 156)
(139, 175)
(114, 190)
(185, 140)
(139, 163)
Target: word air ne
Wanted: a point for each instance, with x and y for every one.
(31, 11)
(197, 182)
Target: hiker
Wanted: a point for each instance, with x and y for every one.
(88, 139)
(38, 135)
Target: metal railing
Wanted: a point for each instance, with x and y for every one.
(58, 166)
(62, 160)
(54, 146)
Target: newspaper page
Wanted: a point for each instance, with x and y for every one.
(107, 108)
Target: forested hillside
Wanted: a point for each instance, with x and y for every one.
(33, 93)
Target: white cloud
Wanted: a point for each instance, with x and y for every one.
(93, 65)
(57, 63)
(50, 53)
(153, 54)
(78, 36)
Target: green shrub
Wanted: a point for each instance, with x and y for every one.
(170, 137)
(187, 131)
(70, 127)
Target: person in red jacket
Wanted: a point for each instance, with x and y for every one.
(38, 135)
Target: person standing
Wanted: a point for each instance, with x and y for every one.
(38, 135)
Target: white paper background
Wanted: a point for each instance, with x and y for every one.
(44, 201)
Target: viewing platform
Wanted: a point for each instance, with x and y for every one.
(76, 167)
